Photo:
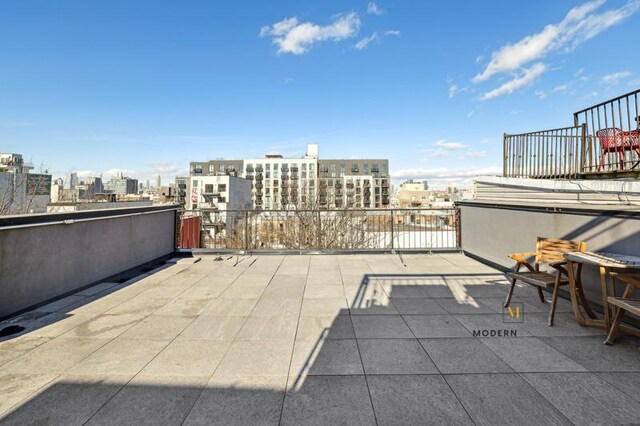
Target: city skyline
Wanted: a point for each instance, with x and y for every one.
(397, 81)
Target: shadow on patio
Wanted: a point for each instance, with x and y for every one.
(313, 340)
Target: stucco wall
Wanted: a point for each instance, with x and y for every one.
(492, 231)
(41, 259)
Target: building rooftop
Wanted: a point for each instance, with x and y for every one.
(357, 339)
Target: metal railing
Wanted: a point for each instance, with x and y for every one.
(604, 140)
(554, 153)
(612, 133)
(330, 230)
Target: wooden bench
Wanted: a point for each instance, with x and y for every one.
(549, 252)
(624, 303)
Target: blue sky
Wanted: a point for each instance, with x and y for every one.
(147, 86)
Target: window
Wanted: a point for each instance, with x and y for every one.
(267, 166)
(304, 166)
(208, 188)
(312, 166)
(194, 206)
(195, 183)
(222, 187)
(221, 167)
(365, 168)
(212, 168)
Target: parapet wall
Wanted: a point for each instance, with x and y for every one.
(45, 256)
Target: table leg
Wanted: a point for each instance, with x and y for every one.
(573, 294)
(580, 292)
(605, 303)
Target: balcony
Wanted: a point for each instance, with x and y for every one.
(196, 337)
(602, 143)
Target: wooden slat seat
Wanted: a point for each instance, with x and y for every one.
(629, 305)
(549, 251)
(538, 278)
(623, 304)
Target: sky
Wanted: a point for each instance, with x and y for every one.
(145, 87)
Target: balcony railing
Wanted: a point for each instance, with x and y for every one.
(335, 230)
(604, 142)
(555, 153)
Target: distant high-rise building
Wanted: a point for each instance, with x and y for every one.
(121, 185)
(279, 182)
(158, 182)
(73, 180)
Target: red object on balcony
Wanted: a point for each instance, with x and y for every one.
(615, 140)
(190, 232)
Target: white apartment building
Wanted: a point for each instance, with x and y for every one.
(218, 199)
(307, 182)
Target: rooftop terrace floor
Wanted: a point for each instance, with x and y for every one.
(357, 339)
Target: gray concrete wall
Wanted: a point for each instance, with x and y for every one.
(492, 231)
(41, 259)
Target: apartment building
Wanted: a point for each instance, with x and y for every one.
(353, 183)
(307, 182)
(218, 200)
(414, 194)
(22, 191)
(121, 185)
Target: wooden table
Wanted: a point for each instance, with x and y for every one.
(605, 262)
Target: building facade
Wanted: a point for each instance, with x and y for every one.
(217, 199)
(20, 190)
(307, 182)
(121, 185)
(414, 194)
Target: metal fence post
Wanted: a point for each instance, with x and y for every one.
(392, 237)
(458, 228)
(319, 232)
(246, 231)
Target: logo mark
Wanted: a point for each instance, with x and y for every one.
(514, 313)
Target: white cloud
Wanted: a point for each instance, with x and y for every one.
(561, 88)
(476, 154)
(86, 173)
(450, 146)
(445, 173)
(365, 41)
(434, 153)
(374, 9)
(541, 94)
(579, 25)
(293, 36)
(615, 78)
(527, 77)
(20, 124)
(454, 89)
